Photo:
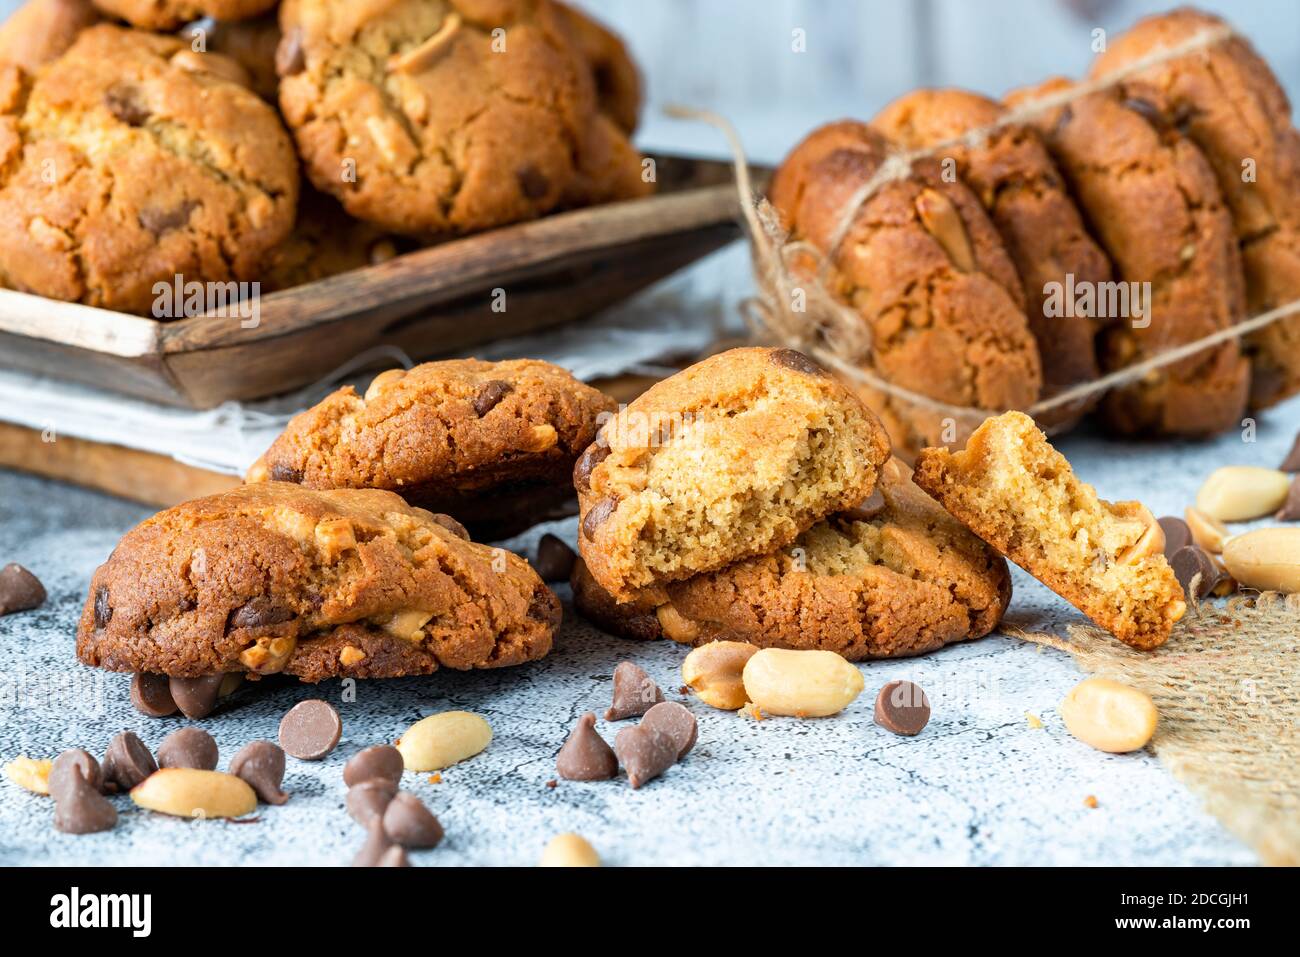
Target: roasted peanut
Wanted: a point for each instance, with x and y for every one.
(804, 684)
(943, 221)
(1208, 533)
(714, 672)
(1109, 716)
(30, 773)
(1151, 542)
(569, 850)
(441, 740)
(383, 383)
(1237, 493)
(1267, 559)
(190, 792)
(541, 437)
(676, 625)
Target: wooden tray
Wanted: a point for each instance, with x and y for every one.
(428, 302)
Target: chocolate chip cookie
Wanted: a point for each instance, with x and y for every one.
(735, 456)
(1021, 189)
(1155, 206)
(493, 443)
(169, 14)
(121, 167)
(41, 30)
(927, 272)
(1227, 101)
(448, 116)
(275, 578)
(894, 578)
(1012, 489)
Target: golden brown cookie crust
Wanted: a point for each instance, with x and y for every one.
(42, 30)
(925, 268)
(1154, 204)
(732, 457)
(1230, 104)
(1023, 192)
(120, 169)
(1016, 492)
(904, 581)
(276, 578)
(169, 14)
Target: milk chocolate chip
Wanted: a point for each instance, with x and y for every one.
(20, 590)
(127, 761)
(261, 765)
(635, 692)
(489, 394)
(310, 730)
(380, 761)
(72, 766)
(555, 559)
(1177, 534)
(188, 748)
(645, 752)
(378, 848)
(103, 610)
(675, 721)
(451, 525)
(367, 801)
(81, 809)
(409, 823)
(1292, 461)
(903, 708)
(596, 453)
(286, 473)
(1190, 561)
(196, 697)
(796, 361)
(597, 514)
(1290, 510)
(151, 695)
(585, 755)
(289, 56)
(124, 103)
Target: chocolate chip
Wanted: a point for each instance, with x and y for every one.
(378, 848)
(1063, 119)
(151, 695)
(124, 103)
(366, 801)
(103, 610)
(545, 607)
(489, 395)
(1190, 561)
(81, 809)
(597, 515)
(409, 823)
(867, 509)
(196, 697)
(635, 692)
(188, 748)
(796, 361)
(258, 613)
(127, 761)
(72, 767)
(159, 221)
(676, 721)
(451, 525)
(595, 453)
(20, 590)
(1292, 461)
(286, 473)
(1290, 510)
(1177, 534)
(261, 765)
(645, 752)
(1148, 111)
(532, 182)
(310, 730)
(555, 559)
(903, 708)
(377, 762)
(585, 755)
(290, 59)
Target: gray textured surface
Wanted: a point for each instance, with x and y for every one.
(978, 786)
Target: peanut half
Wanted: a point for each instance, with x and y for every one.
(30, 773)
(1238, 493)
(441, 740)
(1109, 716)
(1267, 559)
(569, 850)
(1208, 533)
(714, 672)
(190, 792)
(802, 684)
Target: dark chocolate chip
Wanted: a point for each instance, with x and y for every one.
(451, 525)
(586, 756)
(379, 761)
(597, 515)
(635, 692)
(1177, 534)
(151, 695)
(290, 59)
(261, 765)
(675, 720)
(903, 708)
(127, 761)
(645, 753)
(20, 590)
(532, 182)
(1292, 461)
(286, 473)
(367, 800)
(188, 748)
(555, 559)
(545, 607)
(72, 767)
(1290, 510)
(1148, 111)
(124, 103)
(409, 823)
(310, 730)
(159, 221)
(196, 697)
(103, 610)
(489, 395)
(796, 361)
(1190, 561)
(259, 613)
(596, 453)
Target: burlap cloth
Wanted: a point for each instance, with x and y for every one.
(1226, 687)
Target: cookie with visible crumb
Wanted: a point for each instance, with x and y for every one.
(895, 577)
(1012, 489)
(734, 456)
(42, 30)
(939, 297)
(276, 578)
(169, 14)
(492, 443)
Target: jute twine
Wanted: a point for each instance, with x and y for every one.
(795, 307)
(1225, 686)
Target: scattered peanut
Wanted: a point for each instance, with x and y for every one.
(1267, 559)
(441, 740)
(1237, 493)
(714, 672)
(1208, 533)
(804, 684)
(30, 773)
(190, 792)
(569, 850)
(1109, 716)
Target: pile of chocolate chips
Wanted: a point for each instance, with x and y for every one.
(395, 820)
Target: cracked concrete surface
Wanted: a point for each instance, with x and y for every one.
(980, 785)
